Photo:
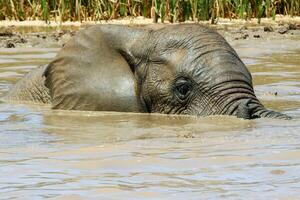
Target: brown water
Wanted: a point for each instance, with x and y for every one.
(98, 155)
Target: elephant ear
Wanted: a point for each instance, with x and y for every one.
(90, 73)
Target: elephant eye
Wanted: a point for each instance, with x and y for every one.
(183, 88)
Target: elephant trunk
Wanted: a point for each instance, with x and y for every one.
(251, 109)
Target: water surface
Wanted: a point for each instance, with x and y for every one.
(109, 155)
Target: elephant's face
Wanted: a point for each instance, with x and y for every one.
(180, 69)
(196, 74)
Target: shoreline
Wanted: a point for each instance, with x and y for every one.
(14, 34)
(279, 19)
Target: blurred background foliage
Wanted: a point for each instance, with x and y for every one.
(165, 10)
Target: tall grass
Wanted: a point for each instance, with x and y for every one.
(171, 10)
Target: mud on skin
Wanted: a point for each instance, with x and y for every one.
(174, 69)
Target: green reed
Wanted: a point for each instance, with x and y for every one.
(170, 10)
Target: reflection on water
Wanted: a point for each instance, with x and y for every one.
(107, 155)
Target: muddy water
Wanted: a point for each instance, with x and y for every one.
(95, 155)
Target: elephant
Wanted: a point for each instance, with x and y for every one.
(185, 69)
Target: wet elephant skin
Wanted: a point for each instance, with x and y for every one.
(173, 69)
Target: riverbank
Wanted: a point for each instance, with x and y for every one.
(54, 34)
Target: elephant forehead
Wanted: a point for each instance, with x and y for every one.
(228, 64)
(215, 62)
(182, 61)
(176, 56)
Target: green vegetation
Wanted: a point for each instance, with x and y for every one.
(172, 10)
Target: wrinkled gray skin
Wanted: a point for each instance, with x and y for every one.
(175, 69)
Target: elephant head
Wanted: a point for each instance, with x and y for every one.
(176, 69)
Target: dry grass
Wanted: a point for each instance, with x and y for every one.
(170, 10)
